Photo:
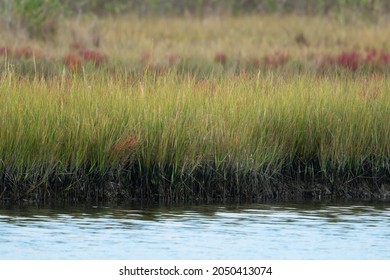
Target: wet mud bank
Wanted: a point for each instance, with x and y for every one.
(204, 186)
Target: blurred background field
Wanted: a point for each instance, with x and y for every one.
(195, 36)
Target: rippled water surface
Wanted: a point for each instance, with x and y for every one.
(259, 231)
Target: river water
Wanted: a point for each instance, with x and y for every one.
(256, 231)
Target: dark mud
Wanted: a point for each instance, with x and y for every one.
(202, 186)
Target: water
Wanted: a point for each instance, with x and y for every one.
(260, 231)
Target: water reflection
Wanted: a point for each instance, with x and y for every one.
(261, 231)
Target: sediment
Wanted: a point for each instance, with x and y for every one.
(203, 185)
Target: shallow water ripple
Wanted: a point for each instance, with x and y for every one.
(199, 232)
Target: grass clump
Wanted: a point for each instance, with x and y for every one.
(181, 137)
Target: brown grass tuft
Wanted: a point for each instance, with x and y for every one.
(72, 61)
(128, 143)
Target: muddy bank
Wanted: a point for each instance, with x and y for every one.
(202, 187)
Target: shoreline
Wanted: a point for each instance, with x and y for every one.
(81, 188)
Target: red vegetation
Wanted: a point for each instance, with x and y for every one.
(72, 61)
(353, 60)
(5, 50)
(24, 52)
(95, 57)
(371, 59)
(76, 46)
(220, 57)
(127, 143)
(371, 55)
(27, 52)
(324, 60)
(377, 58)
(277, 58)
(350, 60)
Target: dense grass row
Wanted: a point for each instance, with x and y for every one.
(158, 130)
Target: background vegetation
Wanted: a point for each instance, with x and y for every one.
(202, 7)
(41, 17)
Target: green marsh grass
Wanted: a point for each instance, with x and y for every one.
(181, 136)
